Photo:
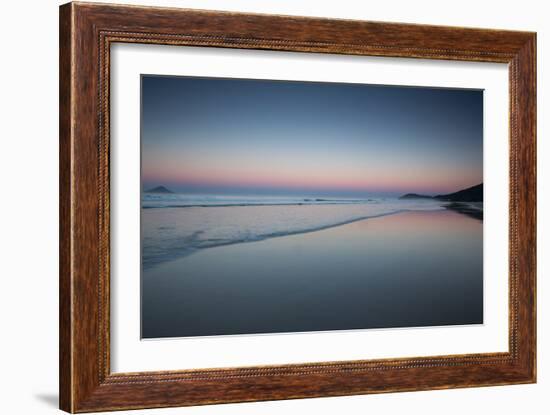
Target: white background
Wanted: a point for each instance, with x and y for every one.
(28, 221)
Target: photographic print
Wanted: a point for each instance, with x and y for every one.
(273, 206)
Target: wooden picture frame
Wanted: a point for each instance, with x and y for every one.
(86, 33)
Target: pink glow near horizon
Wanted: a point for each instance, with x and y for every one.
(346, 178)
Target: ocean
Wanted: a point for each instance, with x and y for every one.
(214, 265)
(177, 225)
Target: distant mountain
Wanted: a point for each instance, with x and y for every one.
(159, 189)
(471, 194)
(415, 196)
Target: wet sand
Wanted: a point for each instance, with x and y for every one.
(472, 209)
(405, 270)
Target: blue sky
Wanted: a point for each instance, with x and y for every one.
(233, 136)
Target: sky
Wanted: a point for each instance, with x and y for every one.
(262, 137)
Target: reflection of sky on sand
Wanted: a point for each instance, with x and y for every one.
(404, 270)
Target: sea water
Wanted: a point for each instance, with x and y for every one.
(177, 225)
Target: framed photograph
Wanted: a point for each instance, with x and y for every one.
(258, 207)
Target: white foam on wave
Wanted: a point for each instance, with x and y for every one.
(174, 232)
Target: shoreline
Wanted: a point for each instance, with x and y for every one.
(469, 209)
(190, 251)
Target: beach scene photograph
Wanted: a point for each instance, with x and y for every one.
(272, 206)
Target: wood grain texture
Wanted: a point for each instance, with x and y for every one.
(86, 33)
(65, 246)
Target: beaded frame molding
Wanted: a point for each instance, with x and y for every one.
(86, 32)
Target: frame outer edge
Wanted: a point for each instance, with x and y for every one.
(83, 158)
(66, 120)
(523, 112)
(528, 188)
(534, 230)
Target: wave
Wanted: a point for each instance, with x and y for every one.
(170, 234)
(325, 202)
